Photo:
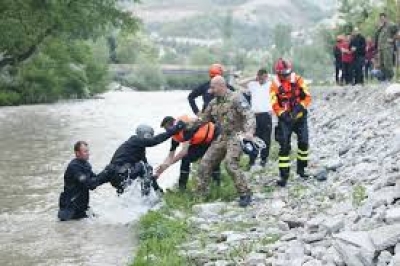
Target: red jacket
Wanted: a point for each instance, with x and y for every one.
(347, 57)
(370, 51)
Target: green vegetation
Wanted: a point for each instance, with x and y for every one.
(161, 233)
(47, 52)
(359, 195)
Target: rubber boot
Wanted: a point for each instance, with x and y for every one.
(284, 176)
(183, 179)
(301, 166)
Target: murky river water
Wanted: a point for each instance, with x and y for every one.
(35, 147)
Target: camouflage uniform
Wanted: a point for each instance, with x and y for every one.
(232, 113)
(385, 48)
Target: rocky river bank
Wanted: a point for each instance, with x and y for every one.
(351, 219)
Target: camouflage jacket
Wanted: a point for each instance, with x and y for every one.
(231, 112)
(385, 36)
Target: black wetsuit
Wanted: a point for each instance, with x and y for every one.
(78, 180)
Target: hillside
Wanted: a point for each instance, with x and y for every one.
(206, 19)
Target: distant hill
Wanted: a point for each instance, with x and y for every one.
(205, 19)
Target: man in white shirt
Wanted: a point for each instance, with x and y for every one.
(258, 91)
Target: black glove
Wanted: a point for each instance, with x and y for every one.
(176, 128)
(285, 117)
(298, 111)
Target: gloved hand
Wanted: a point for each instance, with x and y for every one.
(285, 117)
(298, 111)
(176, 128)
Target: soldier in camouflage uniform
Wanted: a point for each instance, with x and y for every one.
(385, 44)
(232, 113)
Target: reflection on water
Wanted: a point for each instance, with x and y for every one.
(36, 145)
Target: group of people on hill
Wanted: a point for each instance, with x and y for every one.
(358, 58)
(230, 122)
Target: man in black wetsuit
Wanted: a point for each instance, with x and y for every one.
(202, 90)
(78, 180)
(129, 159)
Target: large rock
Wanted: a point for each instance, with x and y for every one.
(384, 196)
(385, 236)
(333, 225)
(392, 92)
(356, 248)
(209, 209)
(384, 258)
(393, 216)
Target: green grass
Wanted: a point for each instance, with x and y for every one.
(161, 233)
(359, 194)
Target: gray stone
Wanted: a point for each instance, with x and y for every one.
(313, 263)
(292, 221)
(318, 252)
(289, 237)
(209, 209)
(366, 210)
(356, 248)
(333, 225)
(315, 223)
(384, 196)
(395, 260)
(393, 215)
(397, 248)
(283, 226)
(255, 259)
(333, 256)
(392, 92)
(385, 236)
(233, 236)
(384, 258)
(311, 238)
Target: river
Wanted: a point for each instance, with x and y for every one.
(35, 147)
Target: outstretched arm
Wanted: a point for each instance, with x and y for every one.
(197, 92)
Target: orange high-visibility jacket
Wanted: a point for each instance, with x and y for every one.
(285, 93)
(203, 135)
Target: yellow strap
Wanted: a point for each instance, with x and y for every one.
(284, 165)
(301, 158)
(303, 152)
(284, 158)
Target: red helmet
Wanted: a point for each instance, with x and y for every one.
(283, 67)
(215, 70)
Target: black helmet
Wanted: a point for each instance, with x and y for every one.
(249, 148)
(144, 131)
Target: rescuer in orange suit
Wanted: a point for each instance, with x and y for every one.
(195, 140)
(290, 99)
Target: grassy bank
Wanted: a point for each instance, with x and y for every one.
(162, 231)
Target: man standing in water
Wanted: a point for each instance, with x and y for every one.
(231, 111)
(78, 180)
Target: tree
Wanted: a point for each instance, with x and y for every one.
(282, 38)
(25, 24)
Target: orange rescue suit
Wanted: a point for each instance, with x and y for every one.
(203, 135)
(286, 93)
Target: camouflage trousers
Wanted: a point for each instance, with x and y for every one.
(228, 148)
(385, 57)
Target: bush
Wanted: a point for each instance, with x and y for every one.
(147, 77)
(61, 69)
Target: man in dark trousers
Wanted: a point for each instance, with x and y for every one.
(78, 180)
(202, 90)
(195, 140)
(258, 91)
(128, 160)
(357, 46)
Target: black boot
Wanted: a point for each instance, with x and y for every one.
(245, 200)
(284, 174)
(303, 174)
